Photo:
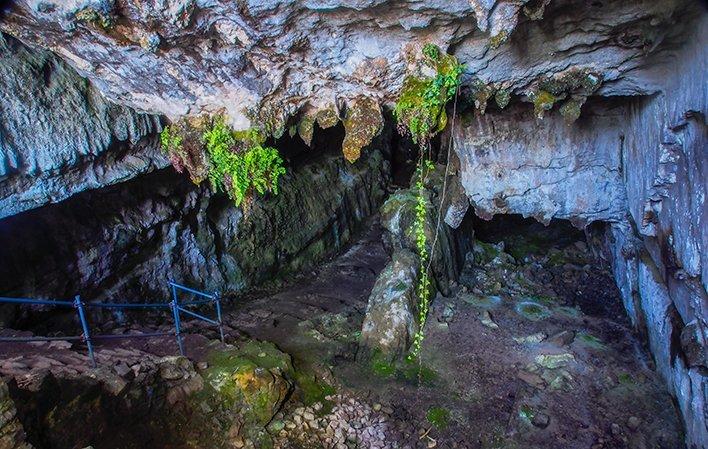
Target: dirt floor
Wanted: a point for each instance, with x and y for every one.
(530, 352)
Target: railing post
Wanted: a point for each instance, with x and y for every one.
(217, 302)
(175, 313)
(84, 326)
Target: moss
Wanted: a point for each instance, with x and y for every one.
(313, 390)
(327, 117)
(306, 129)
(420, 109)
(579, 83)
(625, 379)
(380, 365)
(252, 379)
(502, 97)
(483, 302)
(497, 40)
(481, 93)
(532, 311)
(439, 417)
(484, 252)
(362, 123)
(542, 101)
(570, 110)
(412, 370)
(93, 16)
(591, 341)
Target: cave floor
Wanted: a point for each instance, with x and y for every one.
(535, 354)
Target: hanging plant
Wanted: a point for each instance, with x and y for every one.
(420, 113)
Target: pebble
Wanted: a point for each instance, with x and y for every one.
(541, 420)
(633, 422)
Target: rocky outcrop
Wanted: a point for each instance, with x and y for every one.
(510, 162)
(392, 313)
(60, 136)
(125, 241)
(12, 434)
(224, 401)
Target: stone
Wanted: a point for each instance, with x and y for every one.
(390, 321)
(253, 386)
(554, 361)
(563, 338)
(633, 422)
(531, 339)
(541, 420)
(691, 343)
(486, 318)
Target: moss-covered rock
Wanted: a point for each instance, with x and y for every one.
(327, 117)
(254, 379)
(306, 128)
(363, 122)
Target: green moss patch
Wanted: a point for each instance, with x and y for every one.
(591, 341)
(439, 417)
(420, 109)
(532, 310)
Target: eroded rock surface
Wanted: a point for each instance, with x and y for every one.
(60, 136)
(190, 57)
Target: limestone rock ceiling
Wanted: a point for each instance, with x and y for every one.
(193, 57)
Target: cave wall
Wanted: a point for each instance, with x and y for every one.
(87, 206)
(660, 257)
(639, 165)
(123, 242)
(60, 136)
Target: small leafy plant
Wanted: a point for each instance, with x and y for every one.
(420, 109)
(235, 162)
(241, 167)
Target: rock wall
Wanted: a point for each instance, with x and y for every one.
(59, 135)
(660, 257)
(511, 162)
(638, 164)
(12, 434)
(124, 241)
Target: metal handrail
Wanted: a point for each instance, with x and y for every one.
(86, 336)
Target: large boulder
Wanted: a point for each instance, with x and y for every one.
(391, 315)
(253, 380)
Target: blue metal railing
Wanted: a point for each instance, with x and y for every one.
(175, 306)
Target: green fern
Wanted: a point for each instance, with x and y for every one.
(239, 164)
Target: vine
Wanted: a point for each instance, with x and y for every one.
(420, 112)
